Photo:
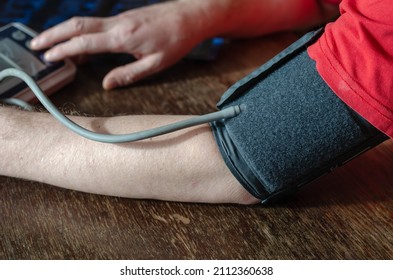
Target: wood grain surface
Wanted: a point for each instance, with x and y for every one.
(347, 214)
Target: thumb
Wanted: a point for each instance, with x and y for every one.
(130, 73)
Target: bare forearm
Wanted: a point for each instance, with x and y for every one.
(183, 166)
(247, 18)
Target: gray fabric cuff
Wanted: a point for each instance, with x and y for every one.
(292, 128)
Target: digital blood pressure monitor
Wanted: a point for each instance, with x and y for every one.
(15, 52)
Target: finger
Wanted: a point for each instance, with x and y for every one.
(130, 73)
(66, 30)
(81, 45)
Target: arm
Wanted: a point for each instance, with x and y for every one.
(183, 166)
(250, 18)
(159, 35)
(354, 57)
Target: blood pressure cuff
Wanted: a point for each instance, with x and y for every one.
(292, 128)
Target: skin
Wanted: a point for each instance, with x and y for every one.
(183, 166)
(160, 35)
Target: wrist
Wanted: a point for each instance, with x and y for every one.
(249, 18)
(207, 18)
(233, 18)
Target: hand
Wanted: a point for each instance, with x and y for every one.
(157, 36)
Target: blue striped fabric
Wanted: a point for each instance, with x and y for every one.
(41, 14)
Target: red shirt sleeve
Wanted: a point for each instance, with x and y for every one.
(355, 58)
(333, 1)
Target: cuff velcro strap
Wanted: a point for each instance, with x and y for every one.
(292, 128)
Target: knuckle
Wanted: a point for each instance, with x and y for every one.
(119, 40)
(78, 24)
(127, 77)
(83, 43)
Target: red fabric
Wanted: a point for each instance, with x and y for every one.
(333, 1)
(355, 58)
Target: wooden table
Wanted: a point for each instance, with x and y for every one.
(345, 215)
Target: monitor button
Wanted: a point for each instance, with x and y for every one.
(18, 35)
(27, 44)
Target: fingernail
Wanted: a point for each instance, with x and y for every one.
(35, 43)
(110, 84)
(49, 56)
